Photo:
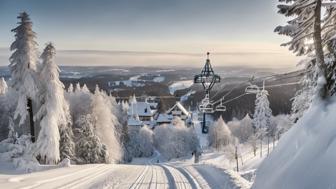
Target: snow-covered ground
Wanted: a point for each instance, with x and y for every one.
(186, 96)
(136, 81)
(143, 173)
(214, 170)
(179, 85)
(305, 155)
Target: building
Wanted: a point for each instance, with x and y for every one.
(177, 110)
(141, 112)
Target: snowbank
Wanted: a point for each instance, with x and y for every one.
(305, 155)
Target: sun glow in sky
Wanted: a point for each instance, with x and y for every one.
(153, 32)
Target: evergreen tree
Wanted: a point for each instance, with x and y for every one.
(309, 24)
(89, 149)
(53, 112)
(3, 86)
(67, 145)
(304, 97)
(23, 69)
(262, 115)
(70, 88)
(106, 123)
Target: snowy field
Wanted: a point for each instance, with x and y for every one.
(179, 85)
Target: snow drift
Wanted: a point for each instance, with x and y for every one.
(305, 155)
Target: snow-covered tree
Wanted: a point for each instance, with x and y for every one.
(174, 141)
(242, 129)
(304, 97)
(67, 145)
(70, 88)
(219, 134)
(106, 123)
(8, 102)
(12, 135)
(53, 113)
(23, 68)
(146, 141)
(3, 86)
(311, 31)
(89, 148)
(262, 115)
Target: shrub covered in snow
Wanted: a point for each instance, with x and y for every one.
(19, 151)
(100, 110)
(219, 134)
(174, 141)
(141, 142)
(242, 129)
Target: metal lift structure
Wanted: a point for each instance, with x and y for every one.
(208, 79)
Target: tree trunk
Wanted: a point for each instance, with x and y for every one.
(319, 48)
(236, 156)
(31, 119)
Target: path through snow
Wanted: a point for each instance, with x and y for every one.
(145, 175)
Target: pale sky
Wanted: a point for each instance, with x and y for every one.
(153, 32)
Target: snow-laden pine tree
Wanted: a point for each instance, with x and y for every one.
(106, 123)
(219, 134)
(89, 148)
(311, 27)
(3, 86)
(53, 113)
(262, 116)
(304, 97)
(23, 69)
(70, 88)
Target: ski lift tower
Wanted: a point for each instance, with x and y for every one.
(208, 79)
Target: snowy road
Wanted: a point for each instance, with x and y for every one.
(149, 175)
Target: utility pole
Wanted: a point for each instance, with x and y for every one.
(207, 78)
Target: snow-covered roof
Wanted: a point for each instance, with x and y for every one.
(134, 121)
(141, 109)
(164, 118)
(180, 107)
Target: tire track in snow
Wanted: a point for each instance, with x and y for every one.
(180, 179)
(85, 180)
(171, 180)
(192, 181)
(139, 178)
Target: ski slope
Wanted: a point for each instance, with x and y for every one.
(149, 174)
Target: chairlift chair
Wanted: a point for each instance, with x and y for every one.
(220, 108)
(252, 89)
(207, 108)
